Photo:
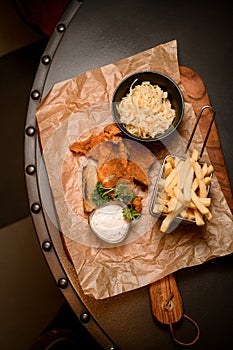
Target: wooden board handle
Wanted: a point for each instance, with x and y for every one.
(166, 302)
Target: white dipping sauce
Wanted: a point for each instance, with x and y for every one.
(108, 223)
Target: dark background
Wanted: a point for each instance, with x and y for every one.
(31, 303)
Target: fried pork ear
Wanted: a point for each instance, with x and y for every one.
(139, 154)
(137, 204)
(114, 170)
(114, 148)
(82, 147)
(137, 174)
(112, 130)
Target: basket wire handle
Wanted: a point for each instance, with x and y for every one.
(195, 127)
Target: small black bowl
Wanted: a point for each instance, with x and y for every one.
(155, 78)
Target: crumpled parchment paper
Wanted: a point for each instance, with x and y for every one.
(72, 111)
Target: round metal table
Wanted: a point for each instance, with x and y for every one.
(95, 33)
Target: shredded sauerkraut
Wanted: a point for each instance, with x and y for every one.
(146, 110)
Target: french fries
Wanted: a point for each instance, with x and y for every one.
(183, 190)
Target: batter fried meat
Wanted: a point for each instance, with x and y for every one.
(111, 172)
(111, 131)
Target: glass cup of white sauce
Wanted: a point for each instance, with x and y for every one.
(108, 223)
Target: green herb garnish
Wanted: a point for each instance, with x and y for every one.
(130, 213)
(122, 193)
(101, 194)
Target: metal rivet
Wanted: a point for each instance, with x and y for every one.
(112, 347)
(46, 59)
(30, 131)
(35, 94)
(62, 282)
(35, 208)
(46, 246)
(30, 169)
(61, 27)
(85, 317)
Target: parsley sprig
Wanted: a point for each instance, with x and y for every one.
(122, 193)
(101, 194)
(130, 213)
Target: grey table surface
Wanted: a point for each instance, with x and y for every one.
(101, 32)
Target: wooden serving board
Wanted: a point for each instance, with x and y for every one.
(166, 302)
(165, 292)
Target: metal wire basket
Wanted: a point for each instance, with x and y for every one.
(158, 194)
